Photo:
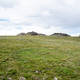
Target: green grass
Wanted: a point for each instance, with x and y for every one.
(39, 57)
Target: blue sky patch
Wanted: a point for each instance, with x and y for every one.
(19, 28)
(4, 20)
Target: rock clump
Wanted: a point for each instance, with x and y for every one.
(21, 34)
(41, 34)
(60, 34)
(32, 33)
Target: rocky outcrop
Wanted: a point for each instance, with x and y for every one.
(32, 33)
(21, 34)
(35, 33)
(60, 34)
(42, 34)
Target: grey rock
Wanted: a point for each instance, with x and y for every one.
(42, 34)
(9, 78)
(36, 71)
(55, 78)
(32, 33)
(22, 78)
(21, 34)
(60, 34)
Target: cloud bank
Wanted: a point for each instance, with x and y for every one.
(42, 16)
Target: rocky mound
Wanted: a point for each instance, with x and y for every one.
(32, 33)
(60, 34)
(35, 33)
(21, 34)
(41, 34)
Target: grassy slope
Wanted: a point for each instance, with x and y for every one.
(39, 57)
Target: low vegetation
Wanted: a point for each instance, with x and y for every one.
(39, 57)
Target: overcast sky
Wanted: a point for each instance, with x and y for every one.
(42, 16)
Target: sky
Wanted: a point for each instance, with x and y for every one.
(41, 16)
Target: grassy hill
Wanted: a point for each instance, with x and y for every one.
(39, 57)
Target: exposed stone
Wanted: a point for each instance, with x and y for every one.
(60, 34)
(36, 71)
(22, 78)
(32, 33)
(42, 34)
(9, 78)
(55, 78)
(21, 34)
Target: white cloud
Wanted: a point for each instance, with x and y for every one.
(45, 16)
(76, 34)
(70, 2)
(45, 13)
(8, 3)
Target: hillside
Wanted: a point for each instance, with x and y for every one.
(39, 57)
